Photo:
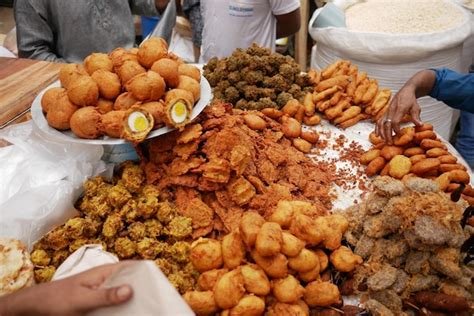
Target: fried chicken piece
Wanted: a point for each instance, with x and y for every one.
(240, 191)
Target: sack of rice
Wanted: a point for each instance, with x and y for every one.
(393, 39)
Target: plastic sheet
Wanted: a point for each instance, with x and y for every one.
(40, 180)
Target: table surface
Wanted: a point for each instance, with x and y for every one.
(20, 82)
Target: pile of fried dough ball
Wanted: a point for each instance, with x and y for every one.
(417, 151)
(124, 94)
(255, 79)
(273, 266)
(130, 219)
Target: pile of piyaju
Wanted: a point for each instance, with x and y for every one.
(346, 96)
(275, 266)
(417, 151)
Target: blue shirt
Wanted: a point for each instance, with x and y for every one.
(454, 89)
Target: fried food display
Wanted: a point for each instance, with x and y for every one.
(256, 79)
(411, 235)
(417, 151)
(129, 218)
(294, 278)
(148, 78)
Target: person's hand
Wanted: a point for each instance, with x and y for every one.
(403, 103)
(75, 295)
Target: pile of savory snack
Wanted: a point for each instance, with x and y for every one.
(416, 247)
(417, 151)
(124, 94)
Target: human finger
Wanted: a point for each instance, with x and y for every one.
(415, 114)
(387, 131)
(91, 299)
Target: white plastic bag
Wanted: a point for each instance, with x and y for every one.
(40, 179)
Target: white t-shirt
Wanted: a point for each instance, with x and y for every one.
(231, 24)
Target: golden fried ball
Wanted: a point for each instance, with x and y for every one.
(191, 85)
(112, 123)
(124, 247)
(190, 71)
(156, 109)
(108, 83)
(152, 50)
(39, 257)
(104, 106)
(97, 61)
(176, 94)
(51, 96)
(168, 69)
(60, 113)
(128, 70)
(120, 55)
(149, 86)
(83, 91)
(125, 101)
(85, 122)
(70, 71)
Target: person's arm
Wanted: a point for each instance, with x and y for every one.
(405, 102)
(454, 89)
(287, 14)
(75, 295)
(35, 36)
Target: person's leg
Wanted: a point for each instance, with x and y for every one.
(465, 139)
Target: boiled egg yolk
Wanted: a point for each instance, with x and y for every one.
(179, 112)
(138, 122)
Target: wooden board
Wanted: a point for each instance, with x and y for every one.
(20, 81)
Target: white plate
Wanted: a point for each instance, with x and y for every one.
(40, 120)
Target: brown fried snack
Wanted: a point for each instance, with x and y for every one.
(190, 71)
(168, 69)
(125, 101)
(83, 91)
(69, 72)
(108, 83)
(51, 96)
(98, 61)
(111, 123)
(191, 85)
(152, 50)
(85, 122)
(60, 112)
(128, 70)
(148, 86)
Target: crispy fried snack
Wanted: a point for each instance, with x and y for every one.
(381, 99)
(98, 61)
(399, 166)
(249, 305)
(425, 166)
(337, 110)
(305, 261)
(318, 293)
(375, 166)
(361, 90)
(341, 81)
(148, 86)
(207, 280)
(156, 109)
(191, 85)
(344, 259)
(413, 151)
(190, 133)
(436, 152)
(229, 289)
(371, 92)
(354, 120)
(291, 246)
(447, 159)
(405, 136)
(255, 280)
(241, 191)
(152, 50)
(417, 158)
(83, 91)
(272, 113)
(269, 240)
(69, 72)
(137, 124)
(275, 266)
(305, 228)
(302, 145)
(59, 113)
(180, 94)
(202, 303)
(312, 120)
(348, 114)
(233, 250)
(85, 122)
(287, 290)
(125, 101)
(128, 70)
(370, 155)
(291, 128)
(190, 71)
(388, 152)
(108, 83)
(325, 94)
(255, 122)
(206, 254)
(111, 123)
(120, 55)
(168, 69)
(51, 96)
(104, 106)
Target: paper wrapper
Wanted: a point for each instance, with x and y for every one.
(152, 293)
